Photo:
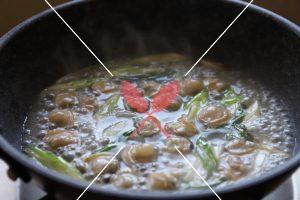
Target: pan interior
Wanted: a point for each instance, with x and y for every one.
(268, 53)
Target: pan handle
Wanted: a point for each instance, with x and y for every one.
(15, 169)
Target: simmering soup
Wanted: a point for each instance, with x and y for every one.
(229, 127)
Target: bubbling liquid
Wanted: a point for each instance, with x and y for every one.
(229, 127)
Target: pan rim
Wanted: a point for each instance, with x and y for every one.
(17, 156)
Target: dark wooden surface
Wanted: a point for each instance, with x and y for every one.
(13, 12)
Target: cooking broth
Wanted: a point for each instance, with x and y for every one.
(229, 127)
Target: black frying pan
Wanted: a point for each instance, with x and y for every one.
(40, 50)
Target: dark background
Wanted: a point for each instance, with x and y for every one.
(12, 12)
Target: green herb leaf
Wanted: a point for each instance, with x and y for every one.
(239, 115)
(127, 133)
(108, 106)
(206, 155)
(230, 98)
(200, 98)
(125, 136)
(114, 129)
(194, 108)
(242, 131)
(106, 148)
(195, 103)
(51, 161)
(238, 131)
